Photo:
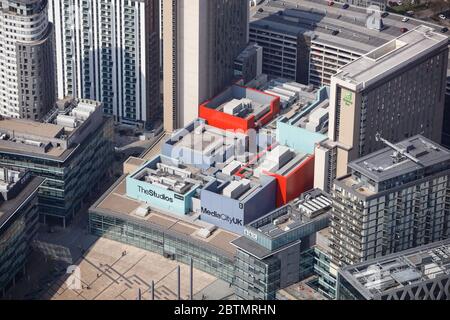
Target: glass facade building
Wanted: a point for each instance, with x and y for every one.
(165, 242)
(326, 279)
(67, 181)
(257, 279)
(277, 250)
(18, 226)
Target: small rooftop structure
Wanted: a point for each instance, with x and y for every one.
(290, 92)
(293, 170)
(231, 202)
(236, 188)
(62, 129)
(240, 108)
(179, 179)
(166, 185)
(9, 181)
(281, 160)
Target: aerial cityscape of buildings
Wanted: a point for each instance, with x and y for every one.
(251, 150)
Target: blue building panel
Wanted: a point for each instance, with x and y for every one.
(299, 139)
(232, 214)
(158, 197)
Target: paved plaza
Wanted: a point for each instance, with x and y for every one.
(114, 271)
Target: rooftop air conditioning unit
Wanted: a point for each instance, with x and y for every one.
(203, 233)
(142, 211)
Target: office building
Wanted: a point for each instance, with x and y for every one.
(326, 38)
(369, 95)
(394, 199)
(27, 86)
(72, 148)
(326, 59)
(230, 204)
(202, 38)
(109, 51)
(331, 41)
(209, 184)
(325, 271)
(270, 255)
(307, 43)
(224, 188)
(421, 273)
(18, 222)
(120, 216)
(285, 52)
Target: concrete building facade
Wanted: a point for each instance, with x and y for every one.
(27, 88)
(326, 59)
(202, 38)
(369, 95)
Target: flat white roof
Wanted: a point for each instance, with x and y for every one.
(390, 57)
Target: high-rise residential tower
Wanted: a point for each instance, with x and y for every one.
(394, 199)
(397, 89)
(108, 50)
(27, 85)
(201, 40)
